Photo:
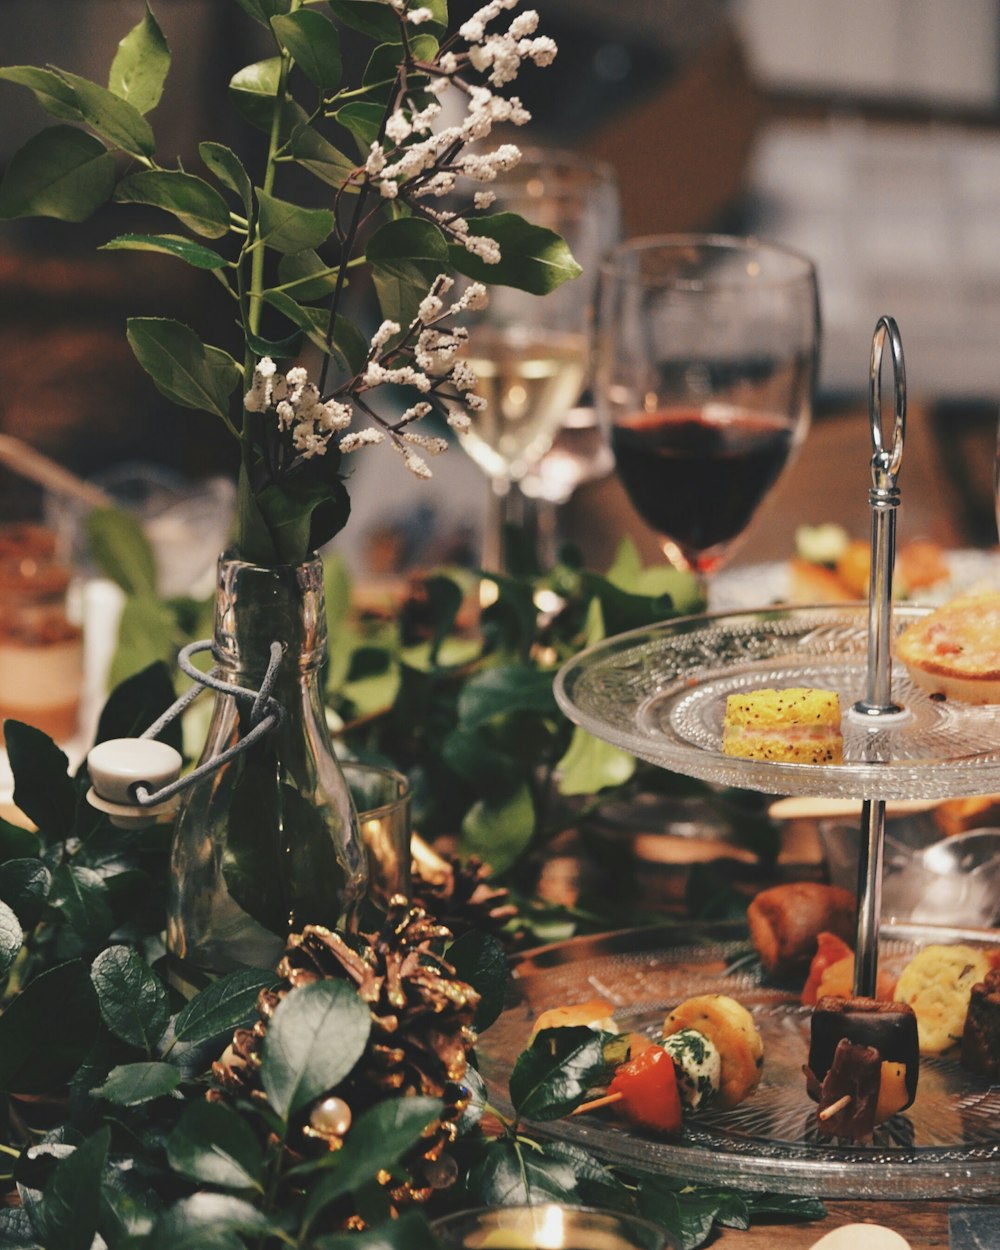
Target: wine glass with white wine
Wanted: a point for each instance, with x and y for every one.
(531, 353)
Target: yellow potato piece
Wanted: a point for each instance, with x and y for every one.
(892, 1092)
(730, 1027)
(937, 983)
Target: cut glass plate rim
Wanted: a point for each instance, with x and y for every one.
(613, 690)
(711, 1155)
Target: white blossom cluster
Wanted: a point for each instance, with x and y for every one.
(424, 357)
(418, 162)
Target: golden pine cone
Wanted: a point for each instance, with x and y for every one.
(458, 892)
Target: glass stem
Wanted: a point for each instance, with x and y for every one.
(503, 508)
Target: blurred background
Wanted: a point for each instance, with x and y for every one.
(867, 136)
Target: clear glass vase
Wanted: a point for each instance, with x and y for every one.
(268, 842)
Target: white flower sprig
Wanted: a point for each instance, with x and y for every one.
(424, 357)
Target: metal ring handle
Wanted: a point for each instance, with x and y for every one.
(885, 461)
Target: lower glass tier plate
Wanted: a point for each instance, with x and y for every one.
(947, 1144)
(661, 692)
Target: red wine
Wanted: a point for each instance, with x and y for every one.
(697, 475)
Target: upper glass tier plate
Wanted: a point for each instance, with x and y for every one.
(660, 693)
(946, 1145)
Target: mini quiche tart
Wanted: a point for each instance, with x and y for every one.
(954, 651)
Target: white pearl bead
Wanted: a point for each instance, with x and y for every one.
(331, 1117)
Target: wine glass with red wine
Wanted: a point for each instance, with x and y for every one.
(706, 364)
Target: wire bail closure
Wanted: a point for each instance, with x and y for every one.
(136, 779)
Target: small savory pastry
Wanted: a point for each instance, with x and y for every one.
(595, 1014)
(954, 651)
(937, 983)
(798, 725)
(981, 1035)
(863, 1063)
(730, 1028)
(786, 921)
(698, 1065)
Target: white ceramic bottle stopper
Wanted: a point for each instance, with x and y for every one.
(118, 766)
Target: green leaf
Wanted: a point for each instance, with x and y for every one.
(11, 938)
(141, 63)
(552, 1077)
(315, 1038)
(130, 1084)
(315, 45)
(481, 960)
(410, 1232)
(61, 172)
(51, 91)
(263, 10)
(306, 276)
(363, 120)
(16, 842)
(505, 689)
(532, 258)
(311, 321)
(43, 789)
(24, 886)
(67, 1215)
(228, 168)
(787, 1206)
(213, 1145)
(208, 1221)
(510, 1173)
(121, 550)
(591, 765)
(385, 60)
(182, 367)
(628, 574)
(81, 897)
(322, 159)
(189, 198)
(286, 227)
(113, 118)
(689, 1216)
(147, 635)
(194, 254)
(470, 755)
(303, 515)
(406, 256)
(499, 832)
(222, 1006)
(47, 1031)
(596, 1184)
(134, 704)
(131, 997)
(378, 1140)
(253, 91)
(371, 17)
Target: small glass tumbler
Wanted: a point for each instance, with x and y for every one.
(548, 1227)
(382, 800)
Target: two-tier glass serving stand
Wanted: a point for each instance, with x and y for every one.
(660, 693)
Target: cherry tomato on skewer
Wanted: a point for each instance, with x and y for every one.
(648, 1088)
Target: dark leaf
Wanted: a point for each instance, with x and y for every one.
(532, 258)
(321, 158)
(311, 321)
(278, 349)
(316, 1036)
(469, 755)
(121, 550)
(264, 10)
(406, 256)
(115, 119)
(61, 172)
(363, 120)
(68, 1213)
(378, 1139)
(253, 868)
(383, 65)
(554, 1075)
(512, 1173)
(43, 788)
(81, 896)
(136, 703)
(189, 198)
(24, 886)
(481, 960)
(596, 1184)
(131, 1084)
(228, 168)
(253, 92)
(183, 368)
(194, 254)
(47, 1030)
(141, 63)
(208, 1221)
(286, 227)
(689, 1216)
(784, 1206)
(16, 842)
(410, 1232)
(314, 43)
(305, 276)
(505, 689)
(222, 1006)
(131, 997)
(11, 938)
(303, 515)
(213, 1145)
(371, 17)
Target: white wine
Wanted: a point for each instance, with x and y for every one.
(530, 380)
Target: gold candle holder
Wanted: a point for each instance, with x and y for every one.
(382, 800)
(551, 1226)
